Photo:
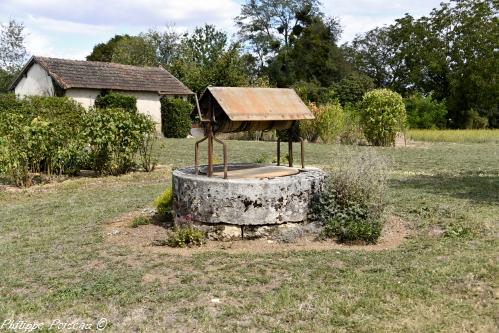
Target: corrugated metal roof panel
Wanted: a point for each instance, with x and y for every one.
(258, 104)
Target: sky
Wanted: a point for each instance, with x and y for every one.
(70, 29)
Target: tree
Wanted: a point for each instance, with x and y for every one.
(205, 58)
(136, 51)
(125, 49)
(104, 51)
(312, 55)
(439, 54)
(167, 44)
(267, 25)
(352, 87)
(13, 52)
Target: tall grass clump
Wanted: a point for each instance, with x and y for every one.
(457, 136)
(350, 207)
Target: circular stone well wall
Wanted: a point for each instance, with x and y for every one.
(244, 201)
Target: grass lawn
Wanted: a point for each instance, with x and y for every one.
(57, 264)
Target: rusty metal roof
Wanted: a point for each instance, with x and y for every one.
(260, 104)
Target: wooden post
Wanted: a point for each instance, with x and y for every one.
(290, 151)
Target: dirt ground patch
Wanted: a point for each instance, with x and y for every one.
(119, 232)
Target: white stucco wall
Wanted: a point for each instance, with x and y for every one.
(36, 82)
(85, 97)
(148, 103)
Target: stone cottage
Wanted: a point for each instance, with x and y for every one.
(85, 80)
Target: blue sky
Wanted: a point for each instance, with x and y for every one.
(69, 29)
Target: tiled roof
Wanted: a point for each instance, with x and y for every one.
(105, 75)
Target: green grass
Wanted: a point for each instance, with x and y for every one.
(56, 264)
(140, 220)
(460, 136)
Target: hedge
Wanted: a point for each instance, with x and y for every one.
(175, 117)
(116, 100)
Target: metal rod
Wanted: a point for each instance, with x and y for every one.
(210, 150)
(278, 151)
(290, 152)
(196, 155)
(302, 144)
(226, 167)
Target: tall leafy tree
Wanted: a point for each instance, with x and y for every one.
(166, 43)
(267, 25)
(104, 51)
(452, 53)
(205, 58)
(135, 50)
(13, 52)
(312, 56)
(125, 49)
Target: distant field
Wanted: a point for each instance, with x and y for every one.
(461, 136)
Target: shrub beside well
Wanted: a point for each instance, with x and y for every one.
(186, 236)
(164, 202)
(175, 117)
(351, 204)
(382, 115)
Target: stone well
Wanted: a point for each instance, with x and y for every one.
(245, 201)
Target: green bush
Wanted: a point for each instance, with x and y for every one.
(114, 137)
(382, 115)
(164, 202)
(186, 236)
(175, 117)
(352, 131)
(39, 134)
(328, 123)
(56, 135)
(113, 100)
(425, 112)
(311, 92)
(351, 204)
(475, 121)
(350, 89)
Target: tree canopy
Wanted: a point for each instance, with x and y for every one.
(452, 53)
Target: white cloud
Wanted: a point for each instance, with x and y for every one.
(360, 16)
(353, 25)
(67, 26)
(129, 12)
(38, 44)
